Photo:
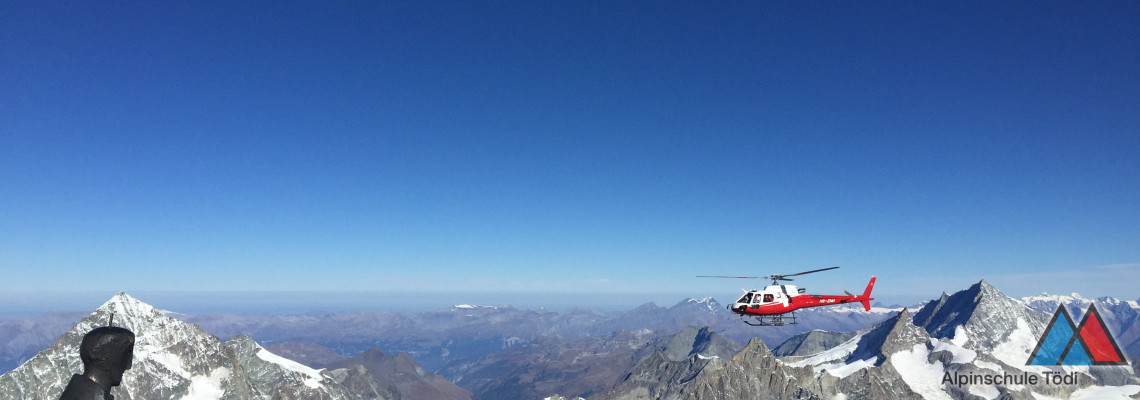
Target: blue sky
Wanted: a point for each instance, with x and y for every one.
(584, 148)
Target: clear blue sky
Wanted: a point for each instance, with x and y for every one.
(577, 147)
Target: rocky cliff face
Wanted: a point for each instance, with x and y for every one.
(672, 362)
(867, 364)
(811, 343)
(753, 374)
(692, 341)
(312, 355)
(276, 377)
(986, 314)
(660, 377)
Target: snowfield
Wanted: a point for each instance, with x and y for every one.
(922, 377)
(208, 387)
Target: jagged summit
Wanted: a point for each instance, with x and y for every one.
(889, 337)
(988, 287)
(126, 309)
(982, 310)
(753, 373)
(755, 347)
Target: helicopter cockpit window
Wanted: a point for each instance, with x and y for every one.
(746, 299)
(767, 298)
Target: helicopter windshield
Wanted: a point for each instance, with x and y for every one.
(746, 299)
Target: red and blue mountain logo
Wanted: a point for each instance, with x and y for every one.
(1086, 344)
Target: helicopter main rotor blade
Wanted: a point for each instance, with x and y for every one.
(732, 277)
(812, 271)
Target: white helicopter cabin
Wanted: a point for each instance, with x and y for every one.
(771, 294)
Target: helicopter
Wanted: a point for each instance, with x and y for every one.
(776, 304)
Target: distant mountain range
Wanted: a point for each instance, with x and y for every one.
(691, 350)
(1122, 316)
(22, 338)
(463, 333)
(975, 332)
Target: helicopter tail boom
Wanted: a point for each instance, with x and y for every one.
(866, 297)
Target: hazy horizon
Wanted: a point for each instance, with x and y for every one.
(300, 302)
(28, 303)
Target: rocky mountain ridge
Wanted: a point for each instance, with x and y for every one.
(978, 331)
(454, 335)
(975, 332)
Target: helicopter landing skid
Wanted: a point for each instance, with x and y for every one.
(772, 320)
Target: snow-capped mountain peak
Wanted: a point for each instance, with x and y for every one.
(172, 360)
(984, 311)
(1046, 297)
(707, 303)
(127, 305)
(473, 307)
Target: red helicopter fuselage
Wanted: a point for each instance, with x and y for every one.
(781, 299)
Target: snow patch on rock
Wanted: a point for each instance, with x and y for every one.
(961, 355)
(844, 370)
(312, 377)
(1015, 350)
(828, 356)
(989, 392)
(923, 378)
(203, 387)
